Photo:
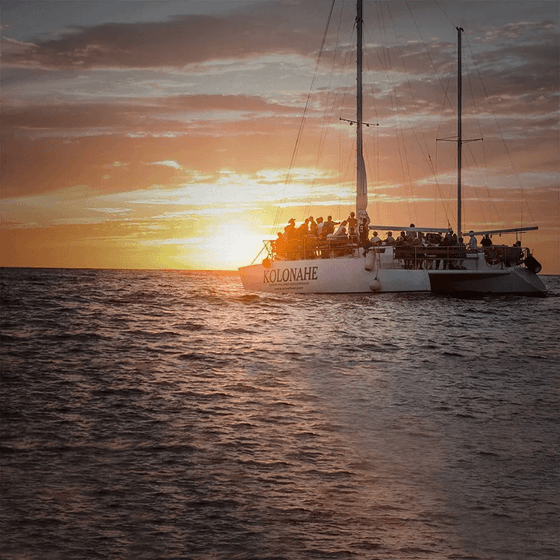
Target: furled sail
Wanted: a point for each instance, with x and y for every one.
(361, 190)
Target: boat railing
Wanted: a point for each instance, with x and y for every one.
(427, 257)
(311, 247)
(453, 257)
(407, 256)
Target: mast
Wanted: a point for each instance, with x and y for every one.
(361, 180)
(359, 49)
(459, 129)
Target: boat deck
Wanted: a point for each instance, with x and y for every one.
(403, 256)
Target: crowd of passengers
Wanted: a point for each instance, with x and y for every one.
(311, 235)
(319, 237)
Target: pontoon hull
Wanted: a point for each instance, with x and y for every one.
(515, 280)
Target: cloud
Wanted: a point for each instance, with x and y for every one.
(176, 43)
(125, 115)
(526, 62)
(167, 163)
(519, 30)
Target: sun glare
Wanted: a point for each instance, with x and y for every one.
(233, 246)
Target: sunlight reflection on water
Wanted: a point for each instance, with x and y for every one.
(163, 414)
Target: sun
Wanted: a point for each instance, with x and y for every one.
(233, 246)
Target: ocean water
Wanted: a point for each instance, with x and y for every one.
(162, 414)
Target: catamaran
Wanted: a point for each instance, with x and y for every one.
(341, 264)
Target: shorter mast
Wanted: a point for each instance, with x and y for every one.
(459, 131)
(460, 141)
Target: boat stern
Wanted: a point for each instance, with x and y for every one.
(516, 280)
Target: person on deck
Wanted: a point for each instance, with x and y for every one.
(280, 245)
(303, 229)
(436, 240)
(352, 225)
(290, 229)
(514, 255)
(411, 234)
(417, 242)
(312, 226)
(329, 225)
(389, 240)
(375, 239)
(486, 241)
(363, 231)
(461, 252)
(341, 231)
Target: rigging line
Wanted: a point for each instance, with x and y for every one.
(386, 64)
(385, 61)
(445, 198)
(339, 86)
(445, 100)
(330, 96)
(401, 110)
(489, 198)
(333, 93)
(382, 55)
(405, 170)
(343, 87)
(475, 108)
(520, 186)
(348, 52)
(423, 148)
(373, 176)
(373, 140)
(443, 12)
(300, 131)
(444, 89)
(329, 108)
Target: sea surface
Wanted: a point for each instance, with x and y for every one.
(165, 414)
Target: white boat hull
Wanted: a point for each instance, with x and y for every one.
(349, 275)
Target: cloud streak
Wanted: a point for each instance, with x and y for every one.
(177, 43)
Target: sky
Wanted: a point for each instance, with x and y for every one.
(162, 134)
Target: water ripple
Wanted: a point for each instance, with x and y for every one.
(153, 414)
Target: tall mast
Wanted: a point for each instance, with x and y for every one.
(359, 49)
(361, 181)
(459, 129)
